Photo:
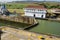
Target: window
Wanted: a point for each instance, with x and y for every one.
(40, 10)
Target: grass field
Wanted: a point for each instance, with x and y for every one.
(18, 7)
(17, 10)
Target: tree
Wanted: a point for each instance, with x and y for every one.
(53, 6)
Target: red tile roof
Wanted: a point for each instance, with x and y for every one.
(36, 7)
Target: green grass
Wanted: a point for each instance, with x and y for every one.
(17, 5)
(17, 10)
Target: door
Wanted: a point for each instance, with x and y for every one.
(34, 15)
(41, 16)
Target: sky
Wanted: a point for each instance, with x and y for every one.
(26, 0)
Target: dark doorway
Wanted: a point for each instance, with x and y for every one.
(34, 15)
(41, 16)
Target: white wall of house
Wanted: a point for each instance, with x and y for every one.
(39, 13)
(29, 14)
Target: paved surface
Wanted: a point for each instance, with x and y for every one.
(16, 34)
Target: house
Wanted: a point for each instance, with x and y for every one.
(35, 11)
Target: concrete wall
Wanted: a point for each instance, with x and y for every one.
(21, 19)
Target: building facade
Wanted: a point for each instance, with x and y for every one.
(35, 11)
